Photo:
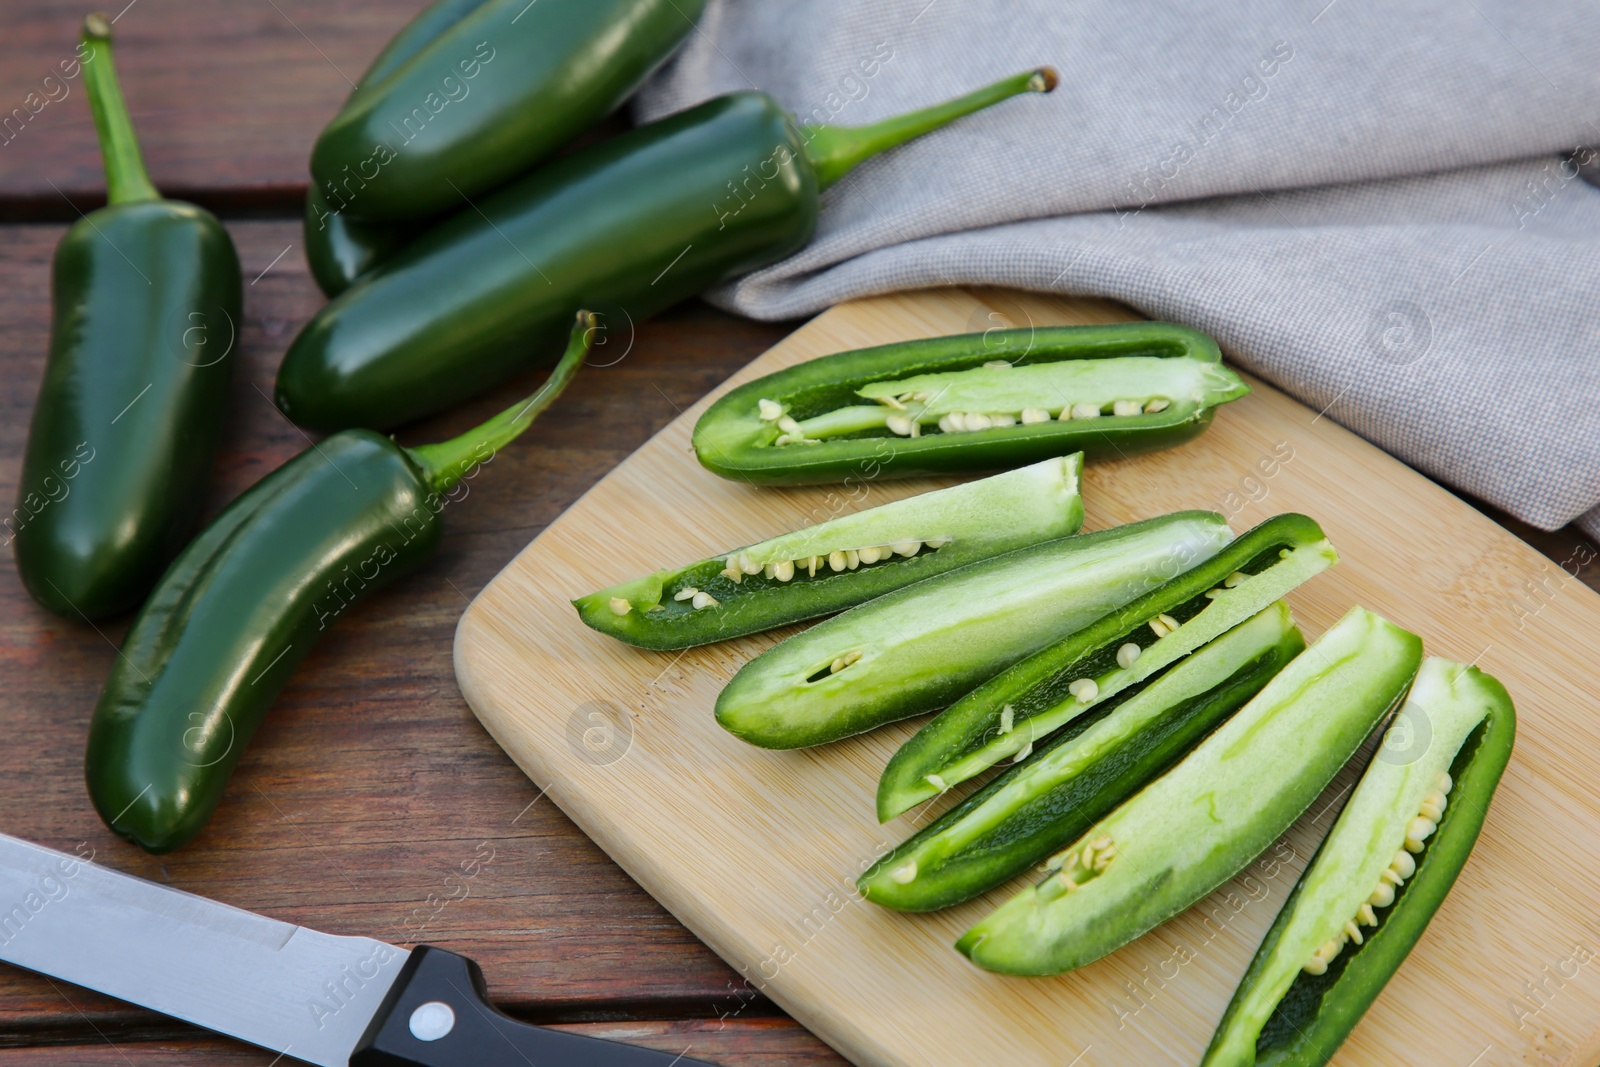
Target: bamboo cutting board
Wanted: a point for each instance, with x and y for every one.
(757, 851)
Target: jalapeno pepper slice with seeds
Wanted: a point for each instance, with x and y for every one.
(1083, 773)
(946, 404)
(842, 562)
(1127, 645)
(1202, 822)
(917, 648)
(240, 608)
(1378, 878)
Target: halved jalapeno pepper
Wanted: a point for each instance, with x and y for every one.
(842, 562)
(1199, 824)
(946, 404)
(1379, 876)
(1082, 774)
(916, 649)
(1012, 711)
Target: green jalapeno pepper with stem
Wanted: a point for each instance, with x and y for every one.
(1016, 709)
(1083, 773)
(914, 650)
(146, 309)
(340, 248)
(490, 96)
(1203, 821)
(1382, 872)
(842, 562)
(228, 623)
(946, 404)
(626, 227)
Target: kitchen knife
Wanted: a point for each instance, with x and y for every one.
(327, 1000)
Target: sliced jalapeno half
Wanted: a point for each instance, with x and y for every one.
(1198, 825)
(947, 404)
(1086, 771)
(918, 648)
(1378, 878)
(1015, 710)
(842, 562)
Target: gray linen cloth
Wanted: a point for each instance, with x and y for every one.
(1373, 205)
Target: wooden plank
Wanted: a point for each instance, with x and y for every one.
(756, 851)
(227, 95)
(370, 783)
(752, 1043)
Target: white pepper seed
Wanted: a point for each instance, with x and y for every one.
(1008, 718)
(704, 600)
(686, 593)
(619, 606)
(1023, 753)
(836, 561)
(770, 410)
(871, 554)
(1084, 689)
(1034, 415)
(906, 548)
(1125, 408)
(1232, 580)
(1169, 622)
(899, 424)
(784, 570)
(905, 873)
(852, 558)
(935, 781)
(1128, 655)
(1156, 405)
(1085, 411)
(790, 427)
(997, 364)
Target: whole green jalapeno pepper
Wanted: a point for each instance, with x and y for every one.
(841, 562)
(1203, 821)
(918, 648)
(339, 247)
(1382, 872)
(491, 95)
(969, 402)
(626, 227)
(1082, 773)
(1014, 710)
(223, 631)
(146, 312)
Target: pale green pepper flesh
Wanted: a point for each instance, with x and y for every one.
(916, 649)
(1052, 799)
(1456, 720)
(1056, 685)
(1204, 821)
(823, 569)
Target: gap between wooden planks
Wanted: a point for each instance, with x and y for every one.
(756, 851)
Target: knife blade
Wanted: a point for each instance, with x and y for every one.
(325, 999)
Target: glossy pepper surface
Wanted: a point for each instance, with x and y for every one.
(246, 601)
(1068, 679)
(948, 404)
(1377, 880)
(490, 96)
(145, 311)
(626, 227)
(916, 649)
(1083, 773)
(1203, 821)
(339, 247)
(842, 562)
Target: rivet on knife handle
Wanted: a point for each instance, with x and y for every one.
(438, 1015)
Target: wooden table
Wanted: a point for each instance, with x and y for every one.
(371, 781)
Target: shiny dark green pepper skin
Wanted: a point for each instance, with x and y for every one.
(490, 96)
(146, 314)
(232, 618)
(626, 227)
(730, 441)
(243, 604)
(339, 249)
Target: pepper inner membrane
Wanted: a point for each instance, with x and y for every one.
(1297, 1011)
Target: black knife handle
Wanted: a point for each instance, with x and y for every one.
(442, 997)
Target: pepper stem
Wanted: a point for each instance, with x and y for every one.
(126, 179)
(834, 150)
(447, 462)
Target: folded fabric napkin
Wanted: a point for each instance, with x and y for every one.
(1374, 206)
